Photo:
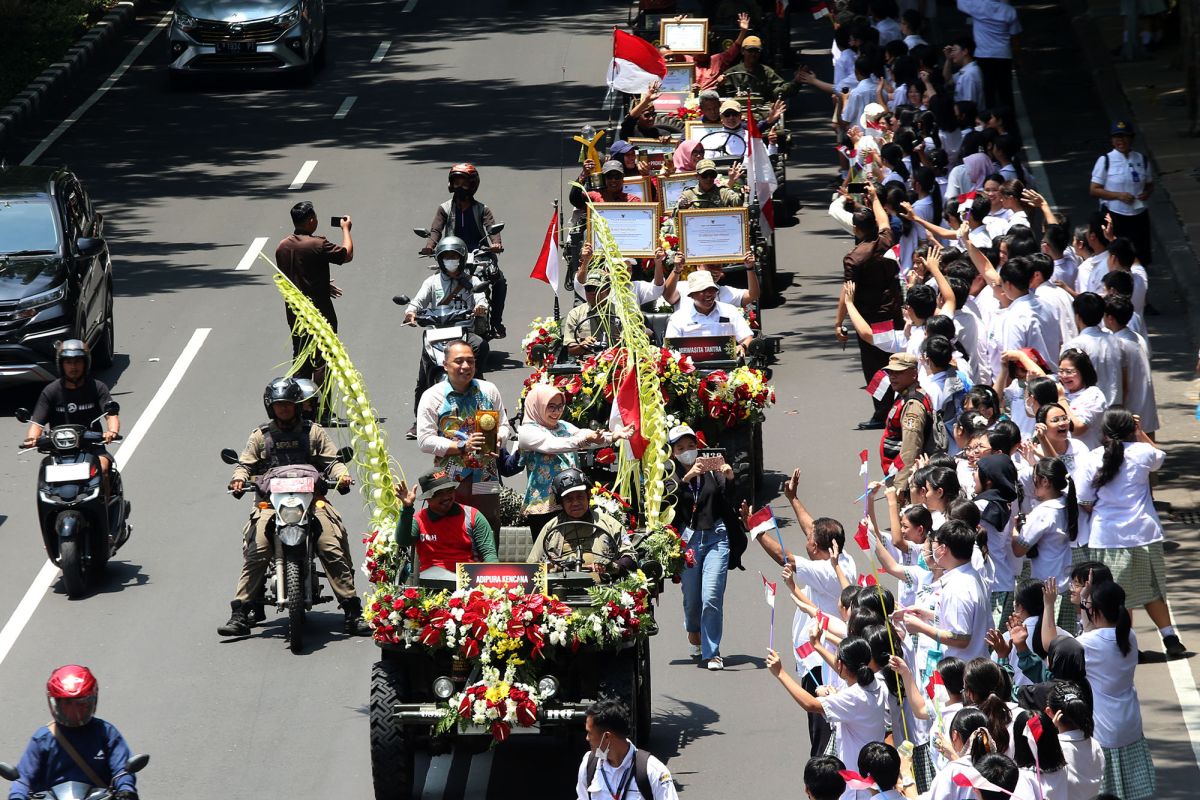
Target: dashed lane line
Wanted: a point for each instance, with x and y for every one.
(381, 52)
(345, 107)
(252, 253)
(303, 175)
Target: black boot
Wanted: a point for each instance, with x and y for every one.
(238, 625)
(256, 613)
(355, 625)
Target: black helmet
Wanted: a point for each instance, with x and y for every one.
(281, 390)
(451, 244)
(73, 348)
(567, 481)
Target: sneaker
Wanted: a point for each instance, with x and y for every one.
(694, 651)
(238, 624)
(715, 664)
(412, 433)
(1173, 647)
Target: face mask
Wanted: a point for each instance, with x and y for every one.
(602, 750)
(451, 264)
(922, 563)
(461, 192)
(688, 457)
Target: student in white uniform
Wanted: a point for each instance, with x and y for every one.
(1048, 770)
(969, 737)
(1053, 524)
(997, 493)
(1056, 300)
(1085, 401)
(880, 762)
(1138, 386)
(963, 616)
(1072, 715)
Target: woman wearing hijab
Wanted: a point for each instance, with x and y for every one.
(1065, 661)
(686, 155)
(549, 445)
(996, 489)
(969, 176)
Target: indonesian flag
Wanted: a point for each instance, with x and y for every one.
(546, 268)
(1033, 731)
(970, 778)
(819, 10)
(863, 469)
(762, 521)
(936, 690)
(894, 253)
(769, 589)
(867, 579)
(808, 656)
(966, 199)
(760, 175)
(629, 405)
(861, 537)
(846, 151)
(636, 64)
(879, 384)
(895, 467)
(822, 620)
(855, 781)
(885, 336)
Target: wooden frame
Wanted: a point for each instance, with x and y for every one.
(680, 78)
(637, 210)
(667, 184)
(685, 216)
(643, 184)
(690, 34)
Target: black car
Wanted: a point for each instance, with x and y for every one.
(55, 273)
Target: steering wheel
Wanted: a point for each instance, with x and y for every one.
(725, 142)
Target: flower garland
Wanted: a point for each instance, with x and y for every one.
(742, 395)
(544, 332)
(615, 506)
(496, 702)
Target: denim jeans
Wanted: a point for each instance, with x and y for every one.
(704, 588)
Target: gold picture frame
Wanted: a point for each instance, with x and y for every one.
(710, 241)
(635, 229)
(684, 36)
(679, 79)
(674, 185)
(642, 183)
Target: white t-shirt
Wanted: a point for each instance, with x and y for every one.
(859, 714)
(1123, 513)
(1088, 406)
(1116, 709)
(1085, 764)
(648, 292)
(964, 608)
(1046, 527)
(993, 24)
(821, 584)
(1105, 354)
(1124, 174)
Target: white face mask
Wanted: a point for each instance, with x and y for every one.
(602, 750)
(451, 264)
(688, 457)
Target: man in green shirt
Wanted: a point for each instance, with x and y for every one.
(706, 193)
(581, 533)
(446, 532)
(755, 77)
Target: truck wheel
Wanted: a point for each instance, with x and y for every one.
(70, 559)
(391, 753)
(293, 582)
(620, 682)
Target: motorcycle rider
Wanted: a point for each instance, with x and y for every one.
(75, 399)
(288, 439)
(468, 219)
(76, 746)
(604, 550)
(450, 286)
(447, 533)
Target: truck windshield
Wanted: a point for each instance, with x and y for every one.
(27, 227)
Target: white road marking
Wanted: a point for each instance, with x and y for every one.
(1189, 701)
(437, 776)
(345, 107)
(256, 247)
(109, 82)
(381, 53)
(408, 7)
(46, 575)
(480, 772)
(302, 175)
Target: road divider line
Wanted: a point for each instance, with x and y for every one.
(345, 107)
(479, 774)
(256, 247)
(46, 575)
(437, 777)
(302, 176)
(408, 7)
(109, 82)
(1189, 701)
(381, 52)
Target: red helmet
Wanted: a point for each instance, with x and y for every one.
(72, 692)
(469, 172)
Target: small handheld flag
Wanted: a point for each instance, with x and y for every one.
(867, 579)
(879, 384)
(861, 537)
(769, 588)
(762, 521)
(855, 781)
(863, 469)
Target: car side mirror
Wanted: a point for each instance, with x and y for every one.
(137, 763)
(22, 414)
(9, 772)
(112, 408)
(422, 232)
(229, 456)
(89, 247)
(346, 455)
(492, 230)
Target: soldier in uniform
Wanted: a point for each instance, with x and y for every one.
(908, 423)
(582, 326)
(707, 194)
(755, 77)
(582, 533)
(287, 439)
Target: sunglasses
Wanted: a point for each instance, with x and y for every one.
(731, 113)
(554, 407)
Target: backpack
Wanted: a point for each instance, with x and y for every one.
(641, 758)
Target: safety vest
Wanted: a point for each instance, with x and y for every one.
(445, 542)
(286, 448)
(893, 430)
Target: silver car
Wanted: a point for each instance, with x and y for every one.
(214, 36)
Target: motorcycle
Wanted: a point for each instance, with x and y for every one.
(79, 530)
(78, 790)
(482, 264)
(293, 582)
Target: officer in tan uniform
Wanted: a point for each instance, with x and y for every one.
(908, 423)
(580, 532)
(707, 194)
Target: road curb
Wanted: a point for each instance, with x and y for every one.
(1171, 239)
(28, 106)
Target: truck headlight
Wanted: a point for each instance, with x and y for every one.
(443, 687)
(548, 687)
(186, 21)
(30, 306)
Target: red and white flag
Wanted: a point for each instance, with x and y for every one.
(863, 468)
(867, 579)
(879, 384)
(760, 175)
(894, 468)
(819, 10)
(628, 403)
(546, 268)
(761, 521)
(822, 620)
(861, 537)
(808, 656)
(636, 64)
(885, 336)
(970, 778)
(936, 690)
(769, 589)
(855, 781)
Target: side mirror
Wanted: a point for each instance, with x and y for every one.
(112, 408)
(492, 230)
(137, 763)
(88, 246)
(422, 232)
(346, 455)
(9, 772)
(22, 414)
(401, 300)
(229, 456)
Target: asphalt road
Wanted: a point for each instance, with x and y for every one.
(187, 181)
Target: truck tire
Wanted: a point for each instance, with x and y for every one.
(293, 583)
(391, 753)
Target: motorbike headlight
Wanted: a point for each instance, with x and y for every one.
(291, 513)
(185, 21)
(65, 439)
(443, 687)
(30, 306)
(288, 18)
(548, 687)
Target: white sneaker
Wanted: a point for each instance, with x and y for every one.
(694, 650)
(715, 663)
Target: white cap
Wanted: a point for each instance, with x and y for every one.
(680, 431)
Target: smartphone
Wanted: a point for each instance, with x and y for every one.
(855, 188)
(336, 222)
(713, 459)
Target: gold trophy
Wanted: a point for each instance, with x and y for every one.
(487, 422)
(589, 139)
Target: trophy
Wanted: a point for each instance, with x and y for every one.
(487, 422)
(589, 139)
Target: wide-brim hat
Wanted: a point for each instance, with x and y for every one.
(434, 481)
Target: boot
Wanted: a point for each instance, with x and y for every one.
(355, 625)
(238, 624)
(256, 614)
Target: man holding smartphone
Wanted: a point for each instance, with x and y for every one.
(305, 258)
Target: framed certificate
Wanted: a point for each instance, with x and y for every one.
(695, 130)
(675, 185)
(639, 187)
(634, 226)
(680, 78)
(686, 36)
(713, 235)
(653, 147)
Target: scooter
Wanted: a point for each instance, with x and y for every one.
(78, 790)
(293, 582)
(79, 530)
(482, 264)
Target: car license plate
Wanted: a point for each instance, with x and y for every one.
(65, 473)
(236, 48)
(445, 334)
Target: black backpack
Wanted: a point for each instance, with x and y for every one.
(641, 758)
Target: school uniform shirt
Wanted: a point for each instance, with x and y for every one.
(934, 387)
(661, 785)
(968, 84)
(1088, 406)
(1105, 354)
(1141, 285)
(856, 102)
(1006, 566)
(1057, 303)
(944, 787)
(966, 333)
(859, 713)
(889, 30)
(723, 320)
(1138, 325)
(993, 24)
(1042, 785)
(1046, 527)
(1116, 709)
(1085, 764)
(1124, 174)
(1123, 512)
(964, 609)
(1025, 323)
(997, 223)
(843, 70)
(821, 584)
(730, 295)
(1066, 269)
(1015, 217)
(1138, 386)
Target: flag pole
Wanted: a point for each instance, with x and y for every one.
(557, 245)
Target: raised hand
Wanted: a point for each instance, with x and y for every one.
(791, 485)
